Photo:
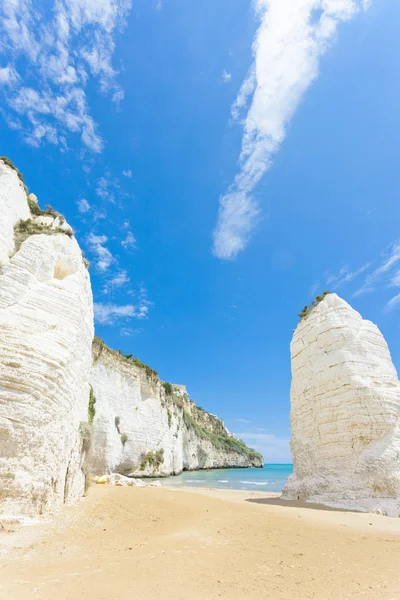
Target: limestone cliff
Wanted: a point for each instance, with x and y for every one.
(145, 427)
(345, 414)
(51, 431)
(46, 331)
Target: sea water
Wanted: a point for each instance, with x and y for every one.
(271, 478)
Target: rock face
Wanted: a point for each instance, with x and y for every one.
(51, 434)
(143, 430)
(345, 414)
(46, 332)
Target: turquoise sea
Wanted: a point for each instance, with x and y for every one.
(271, 478)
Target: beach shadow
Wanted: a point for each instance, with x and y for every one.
(297, 504)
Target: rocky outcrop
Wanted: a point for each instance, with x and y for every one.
(345, 412)
(46, 325)
(144, 427)
(52, 433)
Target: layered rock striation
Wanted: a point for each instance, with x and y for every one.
(71, 408)
(345, 412)
(46, 332)
(146, 427)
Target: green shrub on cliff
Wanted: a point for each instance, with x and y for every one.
(153, 459)
(307, 309)
(91, 408)
(168, 388)
(25, 228)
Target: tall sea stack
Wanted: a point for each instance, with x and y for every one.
(345, 412)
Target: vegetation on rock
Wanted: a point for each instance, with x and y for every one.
(307, 309)
(25, 228)
(124, 439)
(91, 408)
(152, 459)
(220, 441)
(117, 422)
(48, 212)
(128, 358)
(169, 390)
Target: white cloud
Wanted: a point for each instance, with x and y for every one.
(346, 276)
(8, 75)
(129, 331)
(242, 421)
(58, 50)
(143, 304)
(393, 302)
(127, 173)
(104, 258)
(314, 288)
(287, 49)
(389, 261)
(273, 448)
(226, 77)
(396, 279)
(129, 240)
(103, 188)
(83, 205)
(107, 314)
(120, 279)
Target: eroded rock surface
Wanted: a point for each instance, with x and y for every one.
(46, 325)
(345, 412)
(141, 430)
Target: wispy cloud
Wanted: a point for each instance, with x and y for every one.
(393, 302)
(83, 205)
(127, 173)
(118, 280)
(242, 421)
(226, 77)
(53, 51)
(345, 275)
(103, 189)
(109, 313)
(129, 331)
(314, 288)
(389, 260)
(382, 273)
(287, 49)
(129, 241)
(104, 258)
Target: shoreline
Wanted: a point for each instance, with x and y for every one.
(200, 543)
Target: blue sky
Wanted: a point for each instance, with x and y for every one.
(221, 163)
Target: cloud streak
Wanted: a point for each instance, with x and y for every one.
(287, 49)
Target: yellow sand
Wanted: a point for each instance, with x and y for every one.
(150, 543)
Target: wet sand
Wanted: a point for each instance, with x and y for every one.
(146, 543)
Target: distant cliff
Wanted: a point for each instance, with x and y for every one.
(345, 411)
(69, 410)
(146, 427)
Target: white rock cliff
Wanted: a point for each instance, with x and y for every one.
(345, 412)
(49, 434)
(136, 419)
(46, 331)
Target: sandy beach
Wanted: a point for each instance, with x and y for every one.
(143, 543)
